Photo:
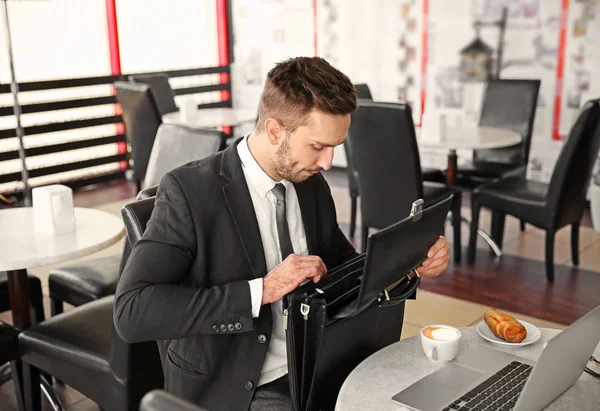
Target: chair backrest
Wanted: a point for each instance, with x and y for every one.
(386, 158)
(364, 94)
(136, 216)
(141, 122)
(363, 91)
(159, 400)
(176, 145)
(147, 193)
(509, 104)
(573, 168)
(162, 92)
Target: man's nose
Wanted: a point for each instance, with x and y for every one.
(326, 159)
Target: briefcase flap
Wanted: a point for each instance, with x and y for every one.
(394, 252)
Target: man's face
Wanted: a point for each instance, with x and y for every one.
(309, 149)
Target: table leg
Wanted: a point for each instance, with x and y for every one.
(452, 167)
(20, 303)
(451, 180)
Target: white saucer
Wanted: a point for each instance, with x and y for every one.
(533, 334)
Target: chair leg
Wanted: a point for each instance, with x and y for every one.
(575, 243)
(17, 377)
(31, 388)
(353, 201)
(456, 222)
(550, 255)
(498, 219)
(522, 225)
(473, 234)
(364, 238)
(56, 306)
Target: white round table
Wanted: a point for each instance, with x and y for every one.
(373, 383)
(469, 138)
(211, 117)
(21, 248)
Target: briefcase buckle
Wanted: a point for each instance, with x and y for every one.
(416, 210)
(304, 310)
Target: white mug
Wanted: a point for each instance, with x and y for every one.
(188, 109)
(444, 347)
(53, 210)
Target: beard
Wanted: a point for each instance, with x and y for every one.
(286, 166)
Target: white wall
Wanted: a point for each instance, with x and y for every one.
(380, 42)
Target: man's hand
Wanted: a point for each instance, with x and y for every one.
(437, 259)
(288, 276)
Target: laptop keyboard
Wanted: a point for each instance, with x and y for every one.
(499, 392)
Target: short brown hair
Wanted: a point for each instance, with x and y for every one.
(297, 86)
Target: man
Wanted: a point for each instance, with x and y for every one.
(207, 278)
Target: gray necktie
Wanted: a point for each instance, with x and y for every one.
(283, 232)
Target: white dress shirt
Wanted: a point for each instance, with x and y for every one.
(264, 201)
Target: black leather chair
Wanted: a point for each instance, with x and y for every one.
(547, 206)
(429, 174)
(508, 104)
(159, 400)
(82, 348)
(80, 283)
(177, 145)
(86, 281)
(9, 353)
(386, 156)
(363, 91)
(162, 92)
(142, 119)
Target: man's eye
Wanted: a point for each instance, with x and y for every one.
(316, 148)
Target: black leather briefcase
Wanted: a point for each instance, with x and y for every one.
(356, 309)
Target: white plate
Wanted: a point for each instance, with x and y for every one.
(533, 334)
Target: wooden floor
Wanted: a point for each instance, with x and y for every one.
(515, 283)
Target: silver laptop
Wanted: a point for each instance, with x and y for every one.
(482, 378)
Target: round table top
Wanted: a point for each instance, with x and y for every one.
(473, 138)
(21, 247)
(211, 117)
(373, 383)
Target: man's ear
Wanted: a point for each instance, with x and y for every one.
(275, 131)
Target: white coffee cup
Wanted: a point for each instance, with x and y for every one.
(440, 342)
(188, 109)
(53, 211)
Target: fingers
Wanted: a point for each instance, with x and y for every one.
(442, 252)
(305, 267)
(434, 268)
(439, 244)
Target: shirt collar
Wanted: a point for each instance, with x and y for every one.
(255, 175)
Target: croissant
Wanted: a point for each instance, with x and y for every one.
(505, 326)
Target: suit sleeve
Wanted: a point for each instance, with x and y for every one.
(152, 302)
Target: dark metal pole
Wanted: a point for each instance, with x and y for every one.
(502, 25)
(14, 87)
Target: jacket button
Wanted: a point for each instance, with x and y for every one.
(262, 338)
(230, 327)
(223, 327)
(238, 326)
(215, 328)
(249, 385)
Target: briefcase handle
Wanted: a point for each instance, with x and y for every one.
(413, 278)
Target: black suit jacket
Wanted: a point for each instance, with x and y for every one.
(186, 281)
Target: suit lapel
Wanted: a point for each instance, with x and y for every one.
(308, 209)
(239, 202)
